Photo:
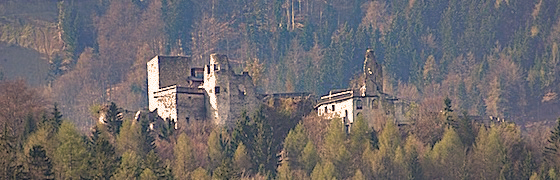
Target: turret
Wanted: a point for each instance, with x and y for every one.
(373, 75)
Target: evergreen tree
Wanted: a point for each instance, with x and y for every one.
(317, 173)
(359, 136)
(184, 160)
(54, 122)
(39, 164)
(359, 175)
(153, 162)
(284, 172)
(104, 160)
(294, 145)
(489, 154)
(390, 138)
(215, 149)
(148, 174)
(242, 160)
(130, 166)
(465, 130)
(30, 127)
(447, 113)
(113, 119)
(225, 170)
(130, 138)
(71, 157)
(263, 154)
(446, 158)
(309, 157)
(200, 173)
(8, 156)
(335, 148)
(412, 158)
(552, 149)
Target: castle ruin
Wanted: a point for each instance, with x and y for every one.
(180, 91)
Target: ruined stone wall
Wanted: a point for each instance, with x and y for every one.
(190, 107)
(373, 81)
(243, 97)
(166, 103)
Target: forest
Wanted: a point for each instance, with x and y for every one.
(461, 58)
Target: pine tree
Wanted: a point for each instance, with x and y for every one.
(359, 136)
(489, 154)
(335, 148)
(130, 166)
(184, 160)
(148, 174)
(200, 173)
(153, 162)
(225, 170)
(412, 158)
(104, 160)
(71, 157)
(317, 173)
(309, 157)
(465, 130)
(8, 154)
(113, 119)
(284, 171)
(447, 113)
(215, 149)
(359, 175)
(294, 145)
(446, 158)
(263, 154)
(130, 138)
(39, 164)
(552, 149)
(54, 122)
(242, 160)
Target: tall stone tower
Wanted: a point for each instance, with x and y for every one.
(228, 94)
(216, 85)
(373, 75)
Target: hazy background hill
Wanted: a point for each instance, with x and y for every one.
(491, 57)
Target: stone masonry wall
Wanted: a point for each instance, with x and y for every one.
(191, 106)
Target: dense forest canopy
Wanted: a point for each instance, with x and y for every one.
(495, 58)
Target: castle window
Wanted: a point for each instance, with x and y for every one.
(333, 107)
(374, 104)
(359, 104)
(216, 67)
(325, 109)
(217, 89)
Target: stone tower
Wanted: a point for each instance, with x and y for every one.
(216, 83)
(373, 75)
(228, 94)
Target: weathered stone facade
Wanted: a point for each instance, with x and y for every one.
(228, 94)
(368, 100)
(180, 92)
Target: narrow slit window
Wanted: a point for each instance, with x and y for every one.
(359, 104)
(217, 90)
